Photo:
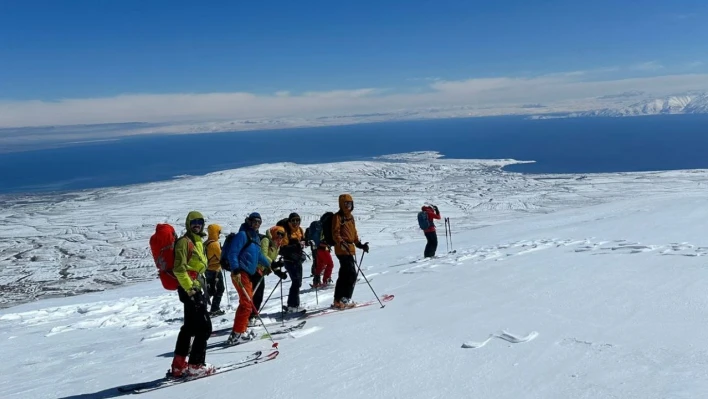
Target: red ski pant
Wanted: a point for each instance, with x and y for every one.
(324, 263)
(243, 285)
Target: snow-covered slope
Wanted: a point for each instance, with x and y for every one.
(596, 293)
(97, 239)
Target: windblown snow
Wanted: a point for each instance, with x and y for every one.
(562, 286)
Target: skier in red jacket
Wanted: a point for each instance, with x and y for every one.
(430, 233)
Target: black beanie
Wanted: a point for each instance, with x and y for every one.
(293, 215)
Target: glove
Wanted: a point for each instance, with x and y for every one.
(281, 274)
(364, 246)
(198, 298)
(437, 211)
(266, 270)
(277, 264)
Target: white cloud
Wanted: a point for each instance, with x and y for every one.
(487, 93)
(647, 66)
(695, 64)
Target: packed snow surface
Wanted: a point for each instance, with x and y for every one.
(560, 286)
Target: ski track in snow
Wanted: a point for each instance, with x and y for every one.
(504, 335)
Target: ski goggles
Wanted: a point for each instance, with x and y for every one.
(196, 222)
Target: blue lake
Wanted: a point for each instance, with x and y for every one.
(578, 145)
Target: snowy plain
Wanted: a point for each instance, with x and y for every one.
(562, 286)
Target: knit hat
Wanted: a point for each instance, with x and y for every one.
(293, 216)
(255, 215)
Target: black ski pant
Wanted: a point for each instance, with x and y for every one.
(197, 325)
(295, 271)
(432, 244)
(215, 288)
(257, 292)
(344, 288)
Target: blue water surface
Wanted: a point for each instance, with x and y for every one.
(576, 145)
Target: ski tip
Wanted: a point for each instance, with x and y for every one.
(275, 345)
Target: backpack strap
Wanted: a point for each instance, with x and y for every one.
(190, 246)
(206, 248)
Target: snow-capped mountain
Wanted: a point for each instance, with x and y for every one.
(686, 103)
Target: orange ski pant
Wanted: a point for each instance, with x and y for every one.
(243, 286)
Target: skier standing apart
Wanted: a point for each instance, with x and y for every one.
(345, 235)
(214, 276)
(270, 245)
(189, 267)
(432, 212)
(293, 256)
(244, 254)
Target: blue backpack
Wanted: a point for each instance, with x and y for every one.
(227, 247)
(423, 220)
(314, 232)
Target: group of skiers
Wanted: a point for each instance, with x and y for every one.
(250, 256)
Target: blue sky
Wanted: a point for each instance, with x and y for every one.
(53, 50)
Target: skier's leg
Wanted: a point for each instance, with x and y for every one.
(429, 252)
(433, 242)
(219, 292)
(350, 274)
(245, 292)
(211, 282)
(295, 272)
(203, 329)
(258, 293)
(184, 338)
(344, 287)
(326, 258)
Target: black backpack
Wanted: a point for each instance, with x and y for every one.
(326, 221)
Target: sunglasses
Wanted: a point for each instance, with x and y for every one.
(255, 222)
(280, 234)
(295, 221)
(197, 222)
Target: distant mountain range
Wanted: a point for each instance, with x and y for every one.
(687, 103)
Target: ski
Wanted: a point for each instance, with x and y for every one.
(330, 310)
(227, 330)
(253, 359)
(284, 330)
(223, 345)
(331, 286)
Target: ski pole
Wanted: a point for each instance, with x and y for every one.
(226, 289)
(271, 294)
(282, 306)
(367, 280)
(253, 307)
(447, 244)
(450, 227)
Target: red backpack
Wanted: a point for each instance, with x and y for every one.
(162, 244)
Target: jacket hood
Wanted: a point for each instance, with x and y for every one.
(191, 216)
(214, 230)
(425, 208)
(273, 231)
(345, 198)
